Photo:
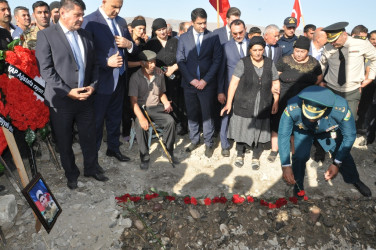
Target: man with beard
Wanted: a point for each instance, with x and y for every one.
(6, 18)
(41, 13)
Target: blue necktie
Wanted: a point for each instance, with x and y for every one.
(198, 47)
(121, 69)
(241, 50)
(78, 59)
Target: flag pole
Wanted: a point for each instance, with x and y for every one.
(301, 13)
(217, 13)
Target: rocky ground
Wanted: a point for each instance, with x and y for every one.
(335, 215)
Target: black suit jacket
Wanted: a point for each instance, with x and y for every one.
(58, 67)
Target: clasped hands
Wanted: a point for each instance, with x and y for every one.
(288, 174)
(198, 84)
(81, 94)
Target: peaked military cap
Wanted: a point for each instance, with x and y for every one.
(316, 100)
(334, 30)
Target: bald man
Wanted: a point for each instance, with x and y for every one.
(317, 43)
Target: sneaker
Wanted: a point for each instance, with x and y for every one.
(272, 156)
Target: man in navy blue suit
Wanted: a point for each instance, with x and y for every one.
(233, 51)
(224, 33)
(111, 38)
(199, 56)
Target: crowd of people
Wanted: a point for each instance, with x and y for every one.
(100, 71)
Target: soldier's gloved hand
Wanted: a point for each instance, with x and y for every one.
(331, 172)
(288, 175)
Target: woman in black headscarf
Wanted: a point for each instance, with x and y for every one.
(166, 47)
(250, 97)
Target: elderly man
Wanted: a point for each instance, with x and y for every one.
(41, 13)
(344, 57)
(22, 16)
(317, 43)
(286, 42)
(6, 18)
(274, 52)
(146, 88)
(317, 113)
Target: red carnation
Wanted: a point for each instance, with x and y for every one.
(135, 198)
(250, 199)
(237, 199)
(301, 193)
(123, 198)
(222, 200)
(207, 201)
(271, 205)
(193, 201)
(170, 198)
(305, 197)
(294, 200)
(187, 200)
(3, 142)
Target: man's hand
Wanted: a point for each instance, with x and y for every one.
(275, 108)
(322, 84)
(80, 94)
(331, 172)
(170, 71)
(144, 123)
(222, 98)
(168, 107)
(201, 84)
(288, 175)
(115, 61)
(226, 108)
(275, 90)
(195, 83)
(123, 42)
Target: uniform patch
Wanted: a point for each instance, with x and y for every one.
(348, 115)
(286, 112)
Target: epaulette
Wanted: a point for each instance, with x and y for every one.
(340, 109)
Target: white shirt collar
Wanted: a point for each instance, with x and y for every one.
(65, 30)
(103, 13)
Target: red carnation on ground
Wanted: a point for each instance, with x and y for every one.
(187, 200)
(237, 199)
(170, 198)
(250, 199)
(193, 201)
(294, 200)
(207, 201)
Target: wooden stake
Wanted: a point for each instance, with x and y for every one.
(217, 13)
(19, 165)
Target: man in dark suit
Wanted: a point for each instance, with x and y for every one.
(65, 55)
(233, 51)
(111, 37)
(199, 56)
(224, 33)
(274, 52)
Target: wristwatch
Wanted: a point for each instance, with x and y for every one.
(337, 164)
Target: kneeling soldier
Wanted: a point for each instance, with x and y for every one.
(317, 112)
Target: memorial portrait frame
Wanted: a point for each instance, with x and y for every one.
(39, 184)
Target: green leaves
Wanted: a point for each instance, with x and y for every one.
(30, 137)
(13, 43)
(44, 132)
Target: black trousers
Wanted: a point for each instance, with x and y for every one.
(62, 119)
(175, 93)
(161, 119)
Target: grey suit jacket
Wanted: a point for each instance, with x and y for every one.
(58, 67)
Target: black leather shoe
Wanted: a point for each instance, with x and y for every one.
(117, 155)
(72, 185)
(209, 150)
(100, 169)
(144, 165)
(98, 177)
(362, 188)
(225, 153)
(191, 147)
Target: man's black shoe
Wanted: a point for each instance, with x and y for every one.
(98, 177)
(209, 151)
(225, 153)
(362, 188)
(72, 184)
(144, 165)
(100, 169)
(191, 147)
(117, 155)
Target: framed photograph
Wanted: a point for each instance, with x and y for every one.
(42, 201)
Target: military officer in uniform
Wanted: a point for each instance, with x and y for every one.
(318, 113)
